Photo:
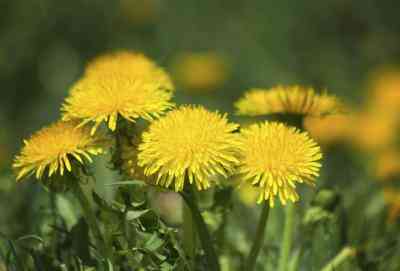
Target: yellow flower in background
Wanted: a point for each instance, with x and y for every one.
(50, 150)
(373, 132)
(247, 193)
(140, 12)
(387, 165)
(384, 91)
(133, 65)
(287, 99)
(329, 129)
(129, 157)
(392, 200)
(103, 99)
(189, 144)
(200, 72)
(275, 157)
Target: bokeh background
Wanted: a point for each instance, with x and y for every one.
(215, 50)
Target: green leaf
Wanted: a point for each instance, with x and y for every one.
(132, 215)
(154, 243)
(30, 237)
(67, 211)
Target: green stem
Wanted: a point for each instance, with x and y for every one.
(189, 235)
(202, 230)
(287, 238)
(259, 238)
(344, 254)
(91, 220)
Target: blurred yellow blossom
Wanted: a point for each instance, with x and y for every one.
(387, 165)
(140, 12)
(200, 72)
(384, 91)
(247, 193)
(330, 129)
(372, 132)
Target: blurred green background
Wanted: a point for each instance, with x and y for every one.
(45, 44)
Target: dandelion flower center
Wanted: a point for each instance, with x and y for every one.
(276, 157)
(191, 143)
(52, 148)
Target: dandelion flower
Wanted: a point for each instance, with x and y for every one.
(374, 132)
(330, 129)
(200, 72)
(104, 99)
(387, 165)
(291, 100)
(131, 64)
(50, 150)
(275, 157)
(191, 144)
(384, 91)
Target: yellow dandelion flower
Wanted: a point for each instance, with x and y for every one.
(291, 99)
(275, 157)
(329, 129)
(104, 99)
(140, 12)
(384, 91)
(131, 64)
(200, 72)
(189, 143)
(387, 165)
(373, 132)
(52, 148)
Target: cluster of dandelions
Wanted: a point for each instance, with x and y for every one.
(190, 144)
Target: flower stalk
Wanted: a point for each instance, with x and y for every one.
(203, 233)
(91, 219)
(259, 238)
(287, 237)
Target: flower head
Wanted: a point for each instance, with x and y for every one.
(131, 64)
(200, 72)
(387, 165)
(292, 100)
(275, 157)
(330, 129)
(384, 91)
(52, 148)
(373, 132)
(102, 99)
(189, 143)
